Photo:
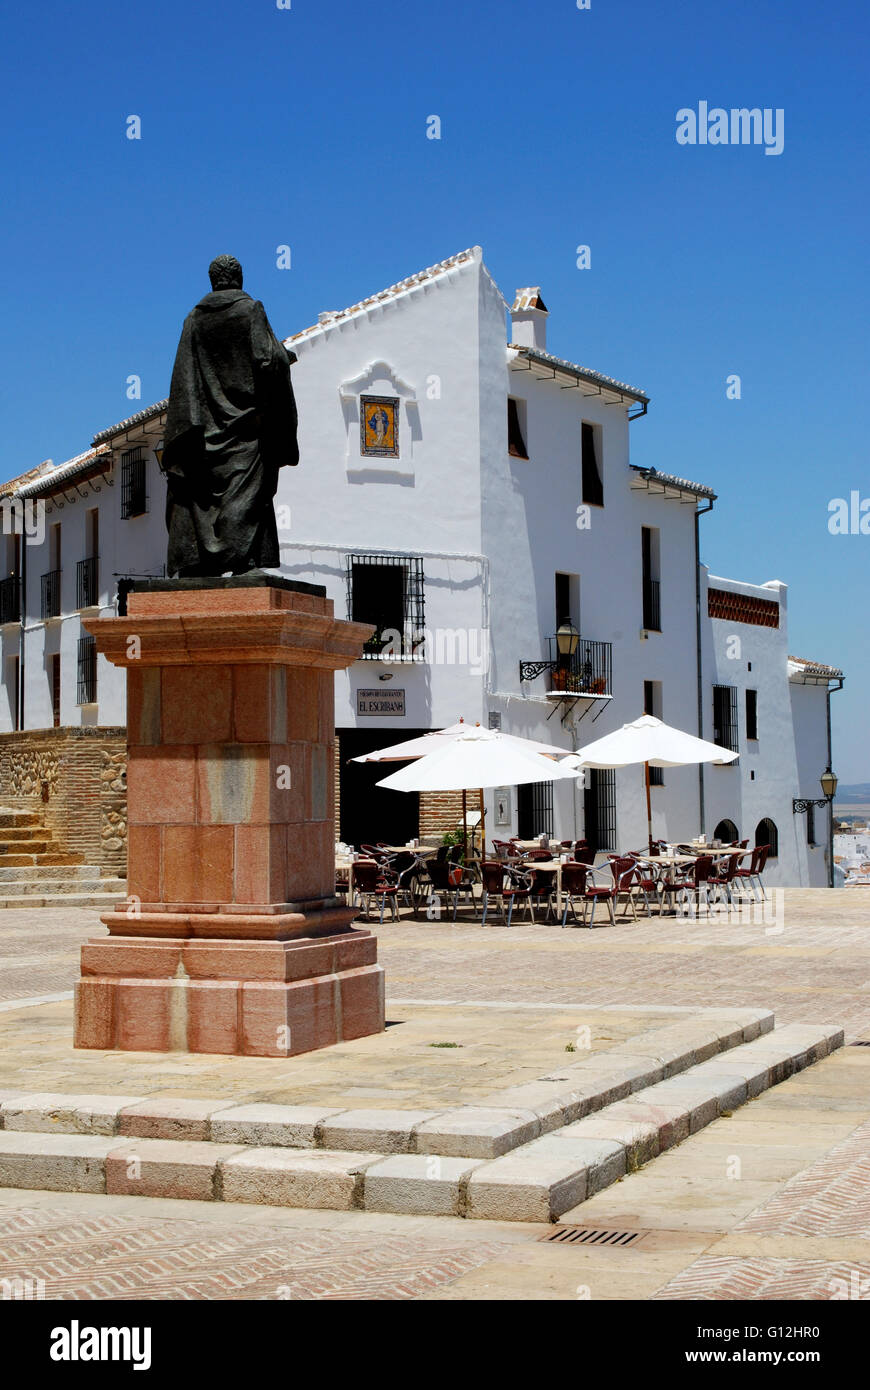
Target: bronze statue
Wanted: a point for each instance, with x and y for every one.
(231, 424)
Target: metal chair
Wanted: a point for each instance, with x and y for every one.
(751, 876)
(518, 889)
(574, 878)
(369, 882)
(695, 881)
(442, 877)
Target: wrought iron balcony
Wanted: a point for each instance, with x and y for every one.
(87, 582)
(10, 599)
(51, 594)
(585, 673)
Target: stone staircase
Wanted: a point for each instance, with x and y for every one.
(527, 1153)
(36, 872)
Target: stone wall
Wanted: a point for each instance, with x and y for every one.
(76, 780)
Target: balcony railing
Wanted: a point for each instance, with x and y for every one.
(10, 599)
(51, 594)
(588, 672)
(652, 605)
(87, 582)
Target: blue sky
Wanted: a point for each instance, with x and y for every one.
(307, 126)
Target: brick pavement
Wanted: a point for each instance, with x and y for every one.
(816, 970)
(796, 1226)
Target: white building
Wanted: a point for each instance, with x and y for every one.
(468, 493)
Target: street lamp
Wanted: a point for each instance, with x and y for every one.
(828, 782)
(567, 638)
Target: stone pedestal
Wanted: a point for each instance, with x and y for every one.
(231, 939)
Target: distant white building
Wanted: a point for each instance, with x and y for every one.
(468, 493)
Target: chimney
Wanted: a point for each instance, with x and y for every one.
(529, 316)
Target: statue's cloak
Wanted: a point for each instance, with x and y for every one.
(231, 424)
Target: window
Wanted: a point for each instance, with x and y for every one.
(517, 428)
(649, 545)
(87, 672)
(811, 825)
(54, 677)
(726, 831)
(593, 488)
(134, 494)
(599, 809)
(87, 570)
(534, 810)
(752, 714)
(387, 591)
(652, 704)
(13, 689)
(725, 717)
(86, 583)
(10, 599)
(568, 599)
(766, 833)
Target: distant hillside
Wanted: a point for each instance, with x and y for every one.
(857, 791)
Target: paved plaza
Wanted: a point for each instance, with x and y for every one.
(771, 1202)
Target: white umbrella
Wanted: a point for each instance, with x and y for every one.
(655, 744)
(480, 758)
(431, 742)
(437, 739)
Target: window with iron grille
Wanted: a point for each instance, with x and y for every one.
(599, 806)
(652, 602)
(51, 595)
(726, 832)
(652, 704)
(86, 582)
(766, 833)
(134, 493)
(86, 693)
(54, 679)
(387, 591)
(534, 810)
(725, 717)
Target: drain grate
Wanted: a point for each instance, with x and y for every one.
(593, 1235)
(862, 1042)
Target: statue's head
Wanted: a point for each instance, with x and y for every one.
(225, 273)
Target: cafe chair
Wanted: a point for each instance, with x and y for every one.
(507, 884)
(370, 881)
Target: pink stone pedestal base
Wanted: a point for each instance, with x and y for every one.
(258, 998)
(232, 939)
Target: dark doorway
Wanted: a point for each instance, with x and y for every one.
(368, 812)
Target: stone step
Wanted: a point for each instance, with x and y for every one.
(16, 834)
(39, 873)
(503, 1121)
(10, 818)
(41, 886)
(189, 1149)
(75, 898)
(54, 857)
(14, 848)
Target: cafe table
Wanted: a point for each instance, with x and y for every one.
(547, 866)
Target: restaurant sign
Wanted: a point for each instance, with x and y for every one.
(390, 702)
